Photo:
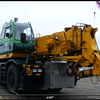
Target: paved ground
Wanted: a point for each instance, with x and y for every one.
(84, 90)
(4, 94)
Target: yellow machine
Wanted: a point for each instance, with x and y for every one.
(75, 44)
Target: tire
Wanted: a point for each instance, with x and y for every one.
(54, 90)
(12, 78)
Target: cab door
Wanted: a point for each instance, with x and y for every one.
(7, 40)
(1, 41)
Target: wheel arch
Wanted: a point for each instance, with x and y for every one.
(9, 62)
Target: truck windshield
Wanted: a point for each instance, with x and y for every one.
(23, 28)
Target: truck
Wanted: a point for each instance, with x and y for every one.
(50, 61)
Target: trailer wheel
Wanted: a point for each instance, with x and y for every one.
(54, 90)
(12, 78)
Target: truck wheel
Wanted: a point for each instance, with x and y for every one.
(12, 78)
(54, 90)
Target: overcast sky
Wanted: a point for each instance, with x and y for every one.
(48, 17)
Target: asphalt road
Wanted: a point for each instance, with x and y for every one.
(83, 90)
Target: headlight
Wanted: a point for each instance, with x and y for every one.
(56, 37)
(39, 70)
(34, 70)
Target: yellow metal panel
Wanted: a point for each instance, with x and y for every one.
(29, 65)
(88, 44)
(43, 66)
(41, 45)
(36, 66)
(10, 55)
(97, 55)
(24, 65)
(84, 62)
(75, 39)
(79, 39)
(95, 72)
(37, 74)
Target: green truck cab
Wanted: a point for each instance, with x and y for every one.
(11, 38)
(19, 66)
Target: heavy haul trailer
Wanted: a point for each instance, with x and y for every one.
(26, 61)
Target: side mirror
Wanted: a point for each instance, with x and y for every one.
(23, 38)
(7, 35)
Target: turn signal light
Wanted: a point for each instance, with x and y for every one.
(28, 70)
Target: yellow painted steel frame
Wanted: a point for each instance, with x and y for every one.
(67, 58)
(72, 40)
(96, 65)
(11, 55)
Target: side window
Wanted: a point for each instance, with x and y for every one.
(2, 34)
(7, 31)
